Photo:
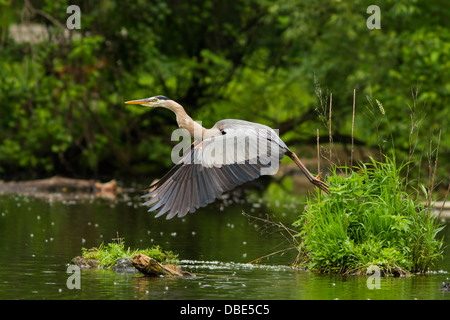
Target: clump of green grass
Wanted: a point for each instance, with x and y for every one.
(107, 255)
(368, 219)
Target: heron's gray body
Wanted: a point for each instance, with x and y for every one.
(251, 126)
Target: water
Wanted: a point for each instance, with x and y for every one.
(39, 237)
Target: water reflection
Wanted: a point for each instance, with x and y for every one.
(40, 236)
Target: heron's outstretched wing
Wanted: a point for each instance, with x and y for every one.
(209, 169)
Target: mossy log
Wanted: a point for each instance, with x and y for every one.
(151, 267)
(84, 263)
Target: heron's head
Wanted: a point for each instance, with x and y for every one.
(157, 101)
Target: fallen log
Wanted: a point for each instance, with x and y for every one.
(61, 185)
(54, 183)
(151, 267)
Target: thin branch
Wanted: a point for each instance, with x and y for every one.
(275, 224)
(329, 125)
(318, 152)
(443, 203)
(271, 254)
(44, 14)
(353, 126)
(433, 173)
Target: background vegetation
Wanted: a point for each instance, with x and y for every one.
(269, 61)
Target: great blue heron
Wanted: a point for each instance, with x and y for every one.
(198, 179)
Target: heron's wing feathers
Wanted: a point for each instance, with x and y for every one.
(193, 186)
(210, 168)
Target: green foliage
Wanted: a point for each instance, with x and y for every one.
(107, 255)
(368, 219)
(62, 97)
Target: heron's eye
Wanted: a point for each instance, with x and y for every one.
(153, 100)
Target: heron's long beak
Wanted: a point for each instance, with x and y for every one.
(140, 101)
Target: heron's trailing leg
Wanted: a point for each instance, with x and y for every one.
(314, 180)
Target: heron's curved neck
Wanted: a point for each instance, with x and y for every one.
(184, 120)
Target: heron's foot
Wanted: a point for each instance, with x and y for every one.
(322, 185)
(318, 176)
